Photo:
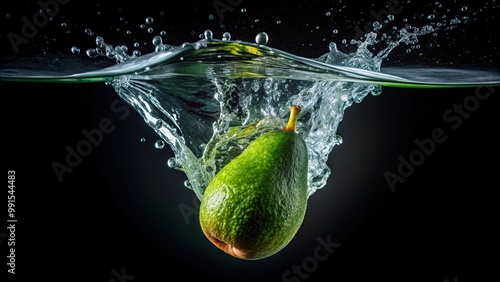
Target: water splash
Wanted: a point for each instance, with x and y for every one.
(209, 107)
(209, 112)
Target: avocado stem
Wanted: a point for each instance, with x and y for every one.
(292, 121)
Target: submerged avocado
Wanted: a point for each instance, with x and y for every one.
(254, 205)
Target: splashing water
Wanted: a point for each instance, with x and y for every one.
(209, 99)
(209, 113)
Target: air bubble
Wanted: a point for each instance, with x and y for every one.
(159, 144)
(88, 31)
(150, 30)
(262, 38)
(243, 10)
(211, 17)
(464, 9)
(75, 50)
(143, 140)
(328, 14)
(163, 33)
(149, 20)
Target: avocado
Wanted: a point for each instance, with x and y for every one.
(254, 205)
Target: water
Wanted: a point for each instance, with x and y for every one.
(210, 98)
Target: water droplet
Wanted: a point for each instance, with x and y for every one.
(210, 17)
(157, 41)
(226, 36)
(99, 41)
(92, 53)
(75, 50)
(464, 9)
(159, 144)
(335, 31)
(149, 20)
(129, 32)
(262, 38)
(142, 26)
(328, 14)
(337, 139)
(243, 10)
(136, 53)
(209, 35)
(143, 140)
(187, 184)
(158, 123)
(172, 163)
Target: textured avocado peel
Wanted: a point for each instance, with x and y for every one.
(254, 206)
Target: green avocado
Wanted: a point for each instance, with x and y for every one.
(254, 205)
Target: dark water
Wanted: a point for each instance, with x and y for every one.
(119, 209)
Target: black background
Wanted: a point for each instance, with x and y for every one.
(118, 211)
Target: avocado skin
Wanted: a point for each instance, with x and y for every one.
(257, 202)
